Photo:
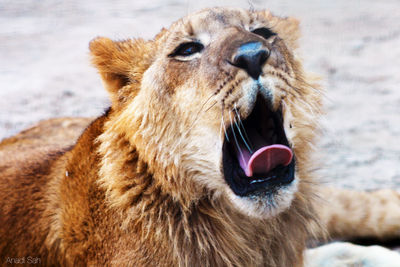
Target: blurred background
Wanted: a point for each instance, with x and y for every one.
(354, 45)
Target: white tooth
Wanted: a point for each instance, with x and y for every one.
(272, 39)
(257, 181)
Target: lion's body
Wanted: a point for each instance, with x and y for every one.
(57, 212)
(142, 185)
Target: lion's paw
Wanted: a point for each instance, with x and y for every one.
(342, 254)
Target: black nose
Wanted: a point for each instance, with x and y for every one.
(251, 57)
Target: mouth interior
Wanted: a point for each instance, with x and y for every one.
(256, 153)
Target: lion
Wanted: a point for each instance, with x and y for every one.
(205, 157)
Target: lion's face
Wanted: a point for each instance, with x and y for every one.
(222, 108)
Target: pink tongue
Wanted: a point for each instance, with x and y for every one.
(264, 159)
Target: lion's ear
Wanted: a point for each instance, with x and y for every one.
(120, 63)
(288, 28)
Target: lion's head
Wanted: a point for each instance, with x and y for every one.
(217, 106)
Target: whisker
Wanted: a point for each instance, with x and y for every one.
(290, 92)
(211, 106)
(205, 102)
(236, 141)
(241, 135)
(223, 122)
(220, 130)
(199, 112)
(194, 121)
(306, 107)
(244, 131)
(313, 87)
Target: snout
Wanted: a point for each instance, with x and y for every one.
(251, 57)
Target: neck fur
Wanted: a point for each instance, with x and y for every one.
(206, 229)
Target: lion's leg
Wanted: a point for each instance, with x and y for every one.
(351, 214)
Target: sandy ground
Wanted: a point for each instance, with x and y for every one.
(354, 45)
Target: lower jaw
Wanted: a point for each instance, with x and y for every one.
(243, 186)
(267, 203)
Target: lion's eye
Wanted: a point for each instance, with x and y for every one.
(187, 49)
(264, 32)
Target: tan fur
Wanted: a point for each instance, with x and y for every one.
(353, 214)
(58, 133)
(143, 185)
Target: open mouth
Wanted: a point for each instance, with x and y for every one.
(256, 153)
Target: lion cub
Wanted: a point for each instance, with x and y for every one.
(204, 157)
